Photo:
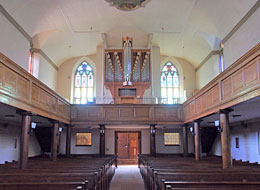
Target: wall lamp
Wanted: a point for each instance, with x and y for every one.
(59, 132)
(217, 125)
(102, 131)
(33, 126)
(152, 130)
(192, 130)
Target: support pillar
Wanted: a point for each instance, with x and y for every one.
(54, 140)
(225, 139)
(24, 144)
(197, 140)
(185, 140)
(102, 141)
(68, 141)
(152, 140)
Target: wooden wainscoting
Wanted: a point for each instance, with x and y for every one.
(126, 113)
(20, 89)
(238, 83)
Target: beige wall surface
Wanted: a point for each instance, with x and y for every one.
(66, 73)
(13, 44)
(186, 72)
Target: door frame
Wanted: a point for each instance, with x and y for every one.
(139, 140)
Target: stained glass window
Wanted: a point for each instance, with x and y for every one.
(221, 58)
(84, 84)
(170, 84)
(171, 139)
(30, 68)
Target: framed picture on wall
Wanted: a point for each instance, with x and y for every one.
(83, 139)
(171, 139)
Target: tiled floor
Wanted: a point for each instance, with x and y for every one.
(127, 177)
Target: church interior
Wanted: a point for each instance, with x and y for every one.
(129, 94)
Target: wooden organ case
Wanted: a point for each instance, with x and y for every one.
(127, 72)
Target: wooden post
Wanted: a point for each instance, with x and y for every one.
(102, 141)
(197, 140)
(68, 141)
(152, 140)
(185, 140)
(24, 145)
(54, 140)
(225, 139)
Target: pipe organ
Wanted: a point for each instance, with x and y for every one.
(127, 72)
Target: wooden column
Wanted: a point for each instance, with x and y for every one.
(197, 140)
(225, 139)
(185, 140)
(24, 144)
(152, 140)
(68, 141)
(54, 140)
(102, 141)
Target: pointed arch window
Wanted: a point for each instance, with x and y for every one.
(30, 67)
(170, 84)
(84, 84)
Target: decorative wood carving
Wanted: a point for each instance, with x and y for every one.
(20, 89)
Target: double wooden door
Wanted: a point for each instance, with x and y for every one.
(127, 145)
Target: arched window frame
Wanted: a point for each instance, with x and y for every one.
(221, 58)
(170, 84)
(83, 84)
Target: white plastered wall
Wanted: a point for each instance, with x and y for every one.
(244, 39)
(208, 71)
(47, 73)
(10, 144)
(162, 149)
(13, 44)
(249, 143)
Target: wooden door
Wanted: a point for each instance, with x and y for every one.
(122, 145)
(127, 145)
(133, 145)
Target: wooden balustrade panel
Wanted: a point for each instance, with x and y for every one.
(125, 114)
(20, 89)
(239, 82)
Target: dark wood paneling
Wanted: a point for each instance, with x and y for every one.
(239, 82)
(20, 89)
(132, 113)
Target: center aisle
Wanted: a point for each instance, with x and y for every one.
(127, 177)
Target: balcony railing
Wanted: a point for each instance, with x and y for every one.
(153, 100)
